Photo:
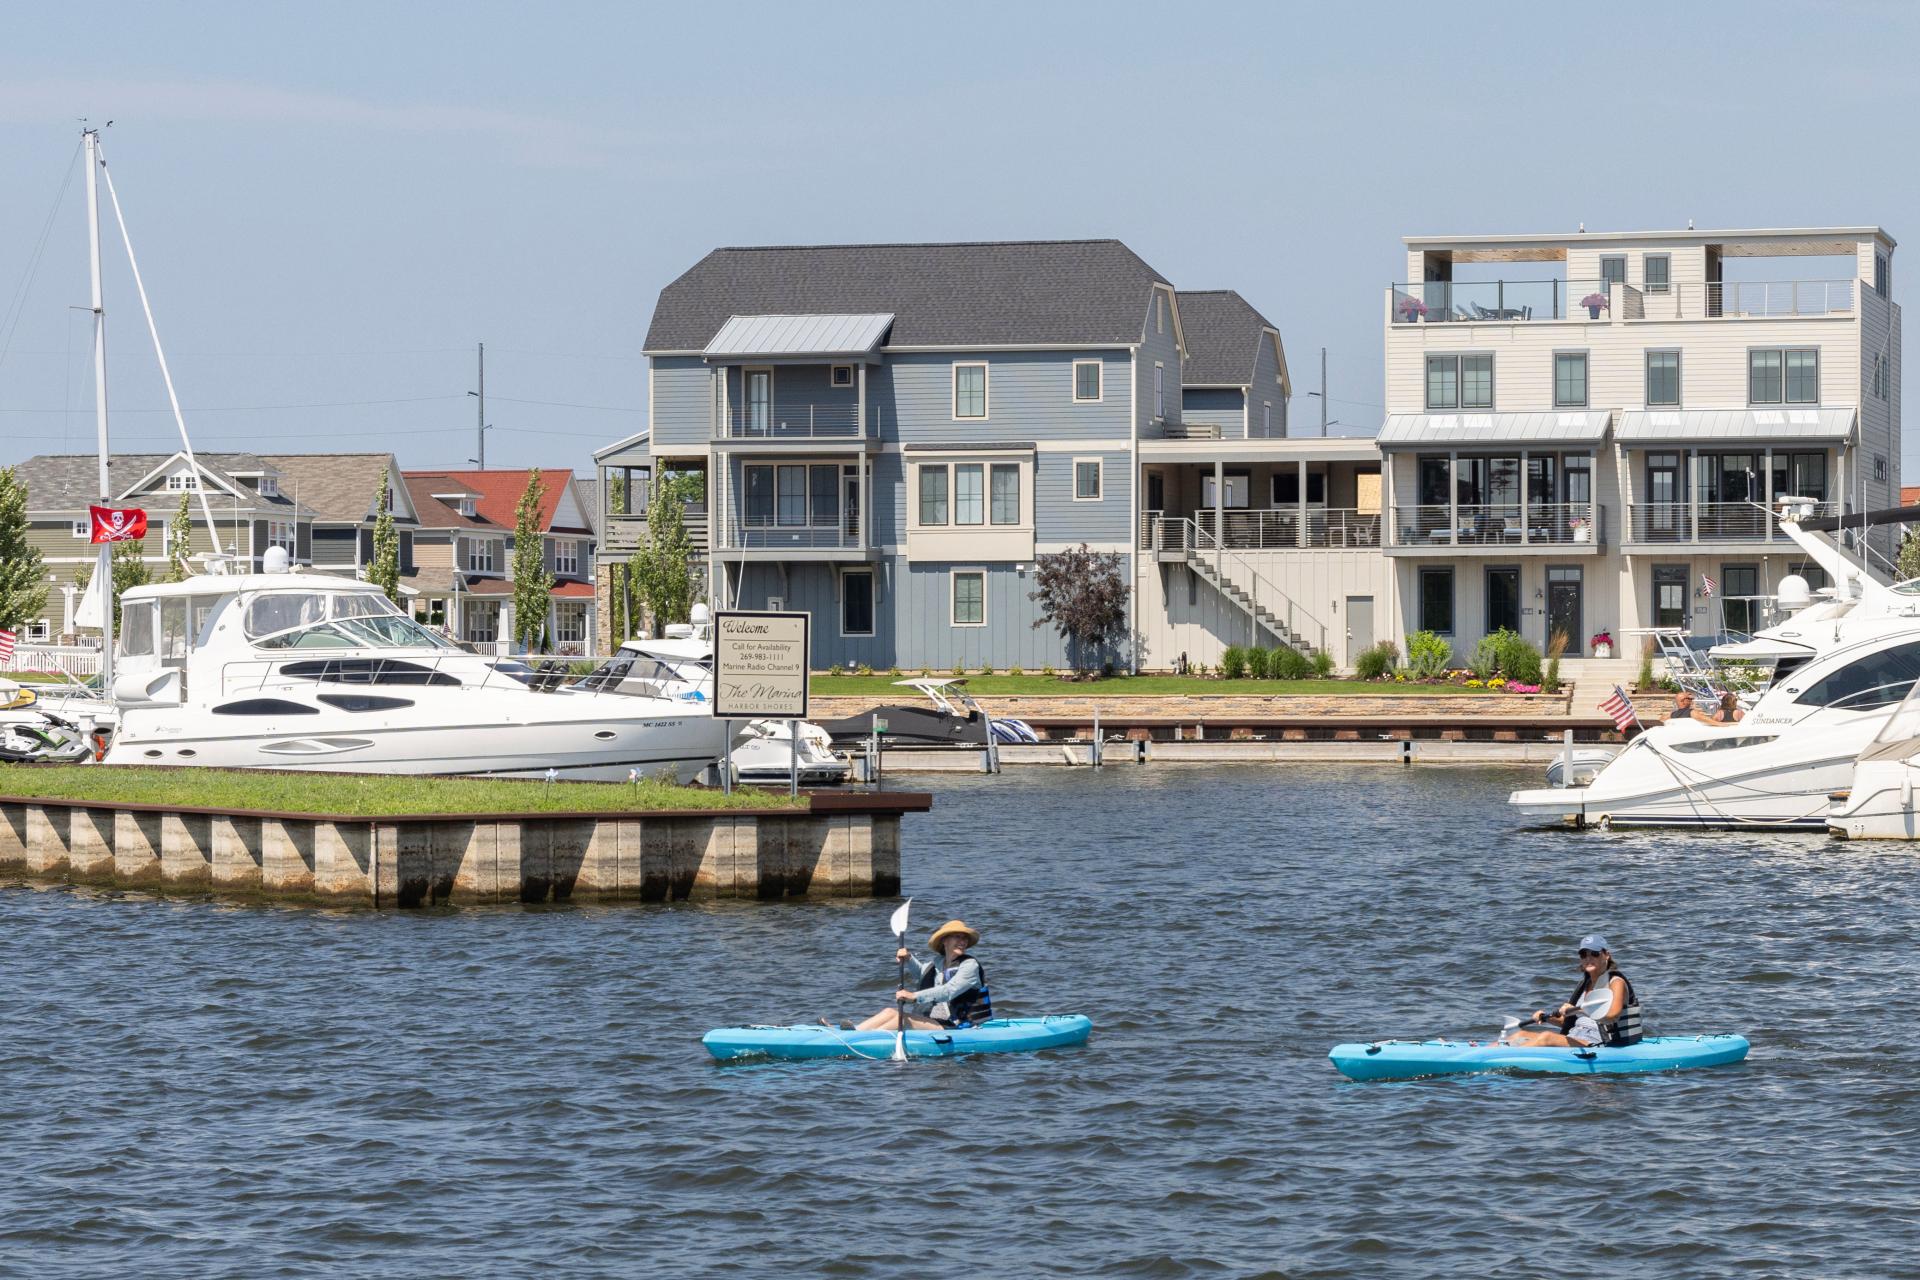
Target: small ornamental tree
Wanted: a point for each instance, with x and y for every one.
(1908, 565)
(180, 540)
(1083, 593)
(23, 578)
(662, 571)
(385, 569)
(532, 584)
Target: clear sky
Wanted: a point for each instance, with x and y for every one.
(333, 203)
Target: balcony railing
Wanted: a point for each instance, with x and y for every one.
(1492, 301)
(738, 534)
(1266, 529)
(781, 421)
(1740, 299)
(1499, 524)
(1678, 522)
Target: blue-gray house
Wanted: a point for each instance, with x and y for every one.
(890, 435)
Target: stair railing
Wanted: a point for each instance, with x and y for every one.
(1202, 544)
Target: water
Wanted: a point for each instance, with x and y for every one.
(196, 1089)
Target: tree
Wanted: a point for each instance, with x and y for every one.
(1908, 565)
(662, 570)
(385, 569)
(180, 540)
(129, 570)
(23, 579)
(1083, 593)
(532, 584)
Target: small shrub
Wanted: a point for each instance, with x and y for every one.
(1556, 644)
(1233, 663)
(1645, 679)
(863, 670)
(1260, 663)
(1015, 671)
(1551, 680)
(1473, 683)
(959, 669)
(1049, 672)
(1376, 661)
(1519, 660)
(987, 670)
(1322, 663)
(1427, 655)
(925, 672)
(1290, 664)
(894, 672)
(836, 670)
(1485, 663)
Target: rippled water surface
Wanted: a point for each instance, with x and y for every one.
(193, 1088)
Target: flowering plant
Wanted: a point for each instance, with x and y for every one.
(1603, 636)
(1514, 686)
(1497, 683)
(1475, 684)
(1411, 308)
(1578, 522)
(1594, 300)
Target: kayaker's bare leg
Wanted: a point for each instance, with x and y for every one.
(889, 1020)
(1553, 1038)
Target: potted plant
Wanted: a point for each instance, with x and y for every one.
(1603, 644)
(1594, 303)
(1411, 309)
(1582, 532)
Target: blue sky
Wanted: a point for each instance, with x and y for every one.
(332, 204)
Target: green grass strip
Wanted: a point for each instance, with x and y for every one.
(1144, 686)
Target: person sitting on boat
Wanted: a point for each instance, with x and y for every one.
(951, 991)
(1683, 708)
(1618, 1024)
(1729, 712)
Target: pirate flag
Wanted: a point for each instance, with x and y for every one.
(118, 524)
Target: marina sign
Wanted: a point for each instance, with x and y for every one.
(760, 663)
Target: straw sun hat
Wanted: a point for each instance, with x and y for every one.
(951, 927)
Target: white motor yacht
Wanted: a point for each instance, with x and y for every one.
(1841, 662)
(679, 666)
(1877, 802)
(288, 670)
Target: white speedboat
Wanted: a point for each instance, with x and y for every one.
(1841, 663)
(680, 667)
(283, 670)
(1877, 802)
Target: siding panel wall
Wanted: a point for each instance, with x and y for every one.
(682, 389)
(1029, 397)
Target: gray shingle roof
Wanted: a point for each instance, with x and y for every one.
(1014, 292)
(1223, 337)
(334, 486)
(70, 481)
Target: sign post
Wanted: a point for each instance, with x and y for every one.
(760, 666)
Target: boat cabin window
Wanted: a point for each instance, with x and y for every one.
(1721, 744)
(344, 620)
(136, 630)
(265, 707)
(364, 702)
(1877, 680)
(173, 629)
(272, 613)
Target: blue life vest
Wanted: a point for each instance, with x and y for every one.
(971, 1007)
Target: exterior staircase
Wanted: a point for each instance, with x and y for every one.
(1210, 573)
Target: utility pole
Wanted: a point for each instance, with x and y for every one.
(1323, 393)
(480, 425)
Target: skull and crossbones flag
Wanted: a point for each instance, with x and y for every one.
(118, 524)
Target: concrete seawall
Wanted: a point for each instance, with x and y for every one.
(846, 846)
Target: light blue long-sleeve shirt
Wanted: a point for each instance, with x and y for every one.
(965, 975)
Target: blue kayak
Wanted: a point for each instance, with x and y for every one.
(812, 1040)
(1405, 1059)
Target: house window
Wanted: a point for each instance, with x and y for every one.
(1266, 417)
(566, 559)
(1570, 380)
(1789, 375)
(1286, 488)
(1086, 380)
(1656, 272)
(969, 493)
(482, 618)
(842, 375)
(183, 482)
(790, 495)
(1882, 274)
(569, 622)
(1880, 379)
(83, 529)
(1739, 608)
(1460, 382)
(969, 598)
(1613, 270)
(1237, 486)
(1436, 600)
(280, 533)
(1663, 377)
(1160, 313)
(480, 557)
(1006, 493)
(1159, 390)
(759, 398)
(856, 602)
(759, 482)
(970, 391)
(824, 480)
(1503, 597)
(1086, 479)
(270, 487)
(466, 508)
(39, 631)
(1801, 475)
(933, 495)
(1669, 595)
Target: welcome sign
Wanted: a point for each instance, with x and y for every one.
(760, 663)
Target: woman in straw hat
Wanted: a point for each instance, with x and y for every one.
(951, 992)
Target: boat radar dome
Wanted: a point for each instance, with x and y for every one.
(1794, 592)
(275, 560)
(701, 614)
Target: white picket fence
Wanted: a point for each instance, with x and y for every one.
(74, 659)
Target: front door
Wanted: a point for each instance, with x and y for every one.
(759, 402)
(1503, 598)
(1564, 607)
(1156, 491)
(1359, 626)
(1666, 500)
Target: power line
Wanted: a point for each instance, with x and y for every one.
(561, 404)
(258, 408)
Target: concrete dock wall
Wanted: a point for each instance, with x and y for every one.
(848, 846)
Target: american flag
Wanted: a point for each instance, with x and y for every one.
(6, 645)
(1620, 707)
(1706, 586)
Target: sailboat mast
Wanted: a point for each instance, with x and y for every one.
(103, 567)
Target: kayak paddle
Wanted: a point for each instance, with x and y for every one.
(1593, 1004)
(900, 938)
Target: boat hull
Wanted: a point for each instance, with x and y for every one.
(1879, 804)
(803, 1041)
(1408, 1060)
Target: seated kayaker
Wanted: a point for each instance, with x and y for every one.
(1618, 1024)
(951, 991)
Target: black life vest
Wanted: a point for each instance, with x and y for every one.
(1623, 1030)
(974, 1005)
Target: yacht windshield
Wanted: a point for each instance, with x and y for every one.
(342, 620)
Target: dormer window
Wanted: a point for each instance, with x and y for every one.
(269, 487)
(183, 482)
(466, 508)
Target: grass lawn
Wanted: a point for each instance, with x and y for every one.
(1132, 686)
(363, 796)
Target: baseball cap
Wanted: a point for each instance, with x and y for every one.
(1594, 942)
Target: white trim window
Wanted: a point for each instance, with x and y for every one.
(569, 621)
(969, 390)
(480, 557)
(281, 533)
(1004, 496)
(466, 507)
(183, 482)
(969, 598)
(969, 493)
(39, 631)
(1087, 479)
(83, 528)
(1159, 391)
(933, 495)
(856, 602)
(840, 375)
(566, 557)
(269, 486)
(1087, 383)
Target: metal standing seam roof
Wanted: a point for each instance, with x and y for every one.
(822, 334)
(1736, 425)
(1404, 430)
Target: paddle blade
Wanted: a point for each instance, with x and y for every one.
(1595, 1003)
(900, 1042)
(899, 925)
